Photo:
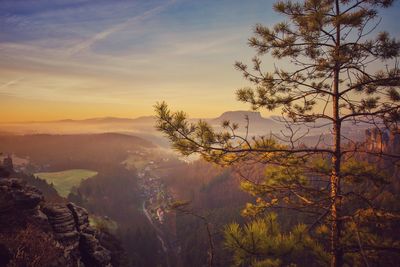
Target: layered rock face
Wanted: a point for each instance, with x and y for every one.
(66, 223)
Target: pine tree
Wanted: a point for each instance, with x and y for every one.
(332, 80)
(261, 243)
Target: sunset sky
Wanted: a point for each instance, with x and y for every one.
(80, 58)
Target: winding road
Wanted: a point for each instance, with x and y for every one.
(160, 234)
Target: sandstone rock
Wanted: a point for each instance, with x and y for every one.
(96, 254)
(68, 224)
(15, 193)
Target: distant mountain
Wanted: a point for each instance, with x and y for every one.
(144, 126)
(93, 121)
(96, 120)
(137, 126)
(145, 119)
(240, 115)
(257, 123)
(108, 120)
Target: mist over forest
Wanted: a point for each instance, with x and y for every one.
(127, 138)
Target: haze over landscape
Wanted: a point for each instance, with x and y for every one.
(174, 133)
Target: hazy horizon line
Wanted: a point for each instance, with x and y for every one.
(123, 118)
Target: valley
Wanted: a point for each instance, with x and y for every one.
(63, 181)
(131, 185)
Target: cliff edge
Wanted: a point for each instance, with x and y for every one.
(34, 232)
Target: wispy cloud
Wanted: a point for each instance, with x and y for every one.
(130, 53)
(10, 83)
(205, 44)
(118, 27)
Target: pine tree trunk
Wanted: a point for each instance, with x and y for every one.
(337, 253)
(337, 256)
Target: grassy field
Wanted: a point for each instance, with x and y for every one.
(63, 181)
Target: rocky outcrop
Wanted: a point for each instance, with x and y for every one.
(382, 140)
(6, 167)
(67, 224)
(18, 202)
(64, 230)
(93, 253)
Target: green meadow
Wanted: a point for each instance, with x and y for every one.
(63, 181)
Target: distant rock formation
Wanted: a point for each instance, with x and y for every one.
(8, 163)
(257, 123)
(381, 140)
(240, 115)
(6, 167)
(66, 224)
